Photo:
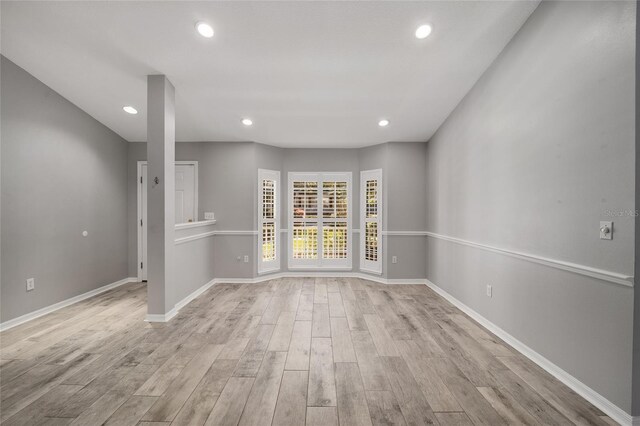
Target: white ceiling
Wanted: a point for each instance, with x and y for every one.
(309, 74)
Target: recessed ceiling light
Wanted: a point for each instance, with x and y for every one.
(130, 109)
(423, 31)
(247, 122)
(383, 123)
(204, 29)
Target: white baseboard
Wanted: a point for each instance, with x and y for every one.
(52, 308)
(608, 407)
(181, 304)
(161, 317)
(318, 274)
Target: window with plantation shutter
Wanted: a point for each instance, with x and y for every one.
(319, 220)
(371, 221)
(268, 216)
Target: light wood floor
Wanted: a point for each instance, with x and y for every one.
(287, 352)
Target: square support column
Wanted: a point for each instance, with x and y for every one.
(161, 139)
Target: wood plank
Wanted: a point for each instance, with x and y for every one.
(336, 308)
(107, 404)
(488, 341)
(320, 294)
(507, 407)
(384, 408)
(381, 337)
(354, 315)
(322, 387)
(262, 400)
(234, 348)
(477, 408)
(292, 399)
(300, 346)
(305, 307)
(341, 340)
(352, 401)
(250, 360)
(555, 393)
(413, 404)
(200, 403)
(322, 416)
(38, 409)
(282, 334)
(434, 389)
(371, 367)
(131, 411)
(231, 402)
(515, 389)
(321, 323)
(166, 407)
(453, 419)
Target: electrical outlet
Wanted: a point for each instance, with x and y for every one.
(31, 284)
(394, 259)
(246, 258)
(489, 290)
(209, 216)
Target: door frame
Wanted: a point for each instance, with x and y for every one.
(139, 203)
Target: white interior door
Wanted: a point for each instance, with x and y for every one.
(186, 204)
(185, 193)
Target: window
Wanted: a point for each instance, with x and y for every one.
(371, 221)
(320, 220)
(268, 216)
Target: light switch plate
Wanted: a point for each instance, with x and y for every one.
(209, 216)
(609, 235)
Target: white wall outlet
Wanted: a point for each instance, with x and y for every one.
(246, 258)
(489, 290)
(606, 230)
(31, 284)
(394, 259)
(209, 216)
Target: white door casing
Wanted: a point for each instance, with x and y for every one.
(186, 204)
(371, 209)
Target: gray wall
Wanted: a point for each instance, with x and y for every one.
(228, 187)
(405, 205)
(227, 177)
(531, 160)
(62, 173)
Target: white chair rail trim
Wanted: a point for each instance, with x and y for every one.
(601, 274)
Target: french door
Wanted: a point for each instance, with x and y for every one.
(319, 220)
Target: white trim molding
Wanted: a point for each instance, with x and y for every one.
(319, 274)
(601, 274)
(190, 238)
(269, 196)
(52, 308)
(608, 407)
(354, 231)
(375, 202)
(181, 304)
(188, 225)
(235, 232)
(405, 233)
(161, 317)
